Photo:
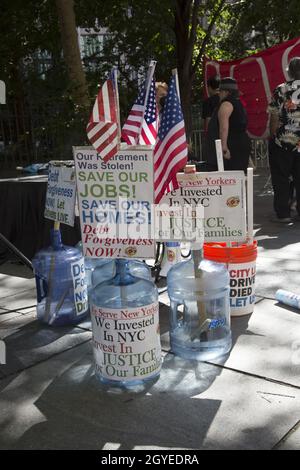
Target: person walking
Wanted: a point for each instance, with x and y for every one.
(284, 144)
(229, 124)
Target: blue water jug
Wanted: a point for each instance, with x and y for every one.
(199, 311)
(125, 324)
(60, 283)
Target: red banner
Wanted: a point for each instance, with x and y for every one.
(257, 76)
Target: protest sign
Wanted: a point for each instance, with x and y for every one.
(115, 202)
(126, 342)
(61, 192)
(80, 287)
(221, 194)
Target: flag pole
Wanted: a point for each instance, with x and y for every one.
(175, 72)
(115, 74)
(150, 74)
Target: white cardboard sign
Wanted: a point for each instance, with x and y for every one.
(223, 196)
(61, 193)
(115, 202)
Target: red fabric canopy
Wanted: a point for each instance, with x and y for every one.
(257, 76)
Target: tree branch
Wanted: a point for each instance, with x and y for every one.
(194, 23)
(192, 36)
(208, 35)
(264, 34)
(182, 7)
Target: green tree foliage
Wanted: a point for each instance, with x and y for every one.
(40, 118)
(175, 33)
(258, 24)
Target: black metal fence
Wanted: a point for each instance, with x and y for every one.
(37, 133)
(42, 132)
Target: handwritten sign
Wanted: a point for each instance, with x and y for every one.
(115, 203)
(61, 193)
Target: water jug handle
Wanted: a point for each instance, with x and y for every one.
(173, 314)
(41, 288)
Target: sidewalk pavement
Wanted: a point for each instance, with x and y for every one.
(49, 398)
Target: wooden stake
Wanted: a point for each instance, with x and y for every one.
(250, 205)
(219, 152)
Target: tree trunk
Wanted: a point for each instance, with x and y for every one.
(186, 98)
(185, 41)
(186, 20)
(70, 45)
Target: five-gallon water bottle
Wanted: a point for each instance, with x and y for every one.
(60, 283)
(200, 314)
(107, 269)
(125, 324)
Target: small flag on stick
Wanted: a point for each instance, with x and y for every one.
(171, 151)
(102, 129)
(141, 124)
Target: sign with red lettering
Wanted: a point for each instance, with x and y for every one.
(115, 202)
(126, 342)
(257, 76)
(223, 197)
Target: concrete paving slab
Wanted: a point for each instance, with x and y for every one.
(3, 311)
(9, 285)
(254, 413)
(267, 343)
(291, 441)
(59, 405)
(276, 273)
(16, 268)
(13, 322)
(7, 316)
(19, 300)
(29, 342)
(266, 263)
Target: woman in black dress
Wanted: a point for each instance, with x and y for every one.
(229, 123)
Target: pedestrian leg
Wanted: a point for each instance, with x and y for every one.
(281, 164)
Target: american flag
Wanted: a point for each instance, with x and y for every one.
(140, 120)
(170, 152)
(102, 129)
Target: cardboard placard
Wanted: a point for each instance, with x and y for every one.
(115, 202)
(222, 194)
(61, 193)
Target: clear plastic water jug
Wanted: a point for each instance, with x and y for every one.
(98, 270)
(200, 313)
(125, 324)
(60, 283)
(107, 269)
(91, 264)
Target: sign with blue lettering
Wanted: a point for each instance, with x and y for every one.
(115, 201)
(80, 287)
